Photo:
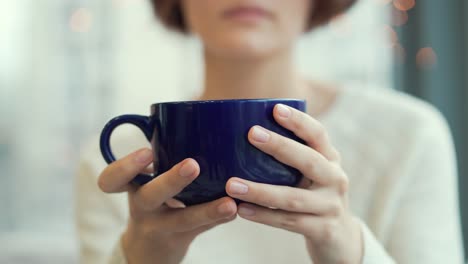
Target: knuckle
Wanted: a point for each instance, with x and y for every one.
(342, 182)
(335, 208)
(320, 133)
(289, 222)
(295, 203)
(343, 185)
(309, 166)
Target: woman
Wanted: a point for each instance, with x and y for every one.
(383, 192)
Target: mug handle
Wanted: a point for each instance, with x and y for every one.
(142, 122)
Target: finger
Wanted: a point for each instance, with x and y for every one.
(308, 161)
(317, 228)
(281, 197)
(117, 176)
(314, 227)
(291, 221)
(306, 128)
(194, 217)
(165, 186)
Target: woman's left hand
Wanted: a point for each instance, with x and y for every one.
(319, 210)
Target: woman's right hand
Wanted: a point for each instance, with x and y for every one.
(157, 233)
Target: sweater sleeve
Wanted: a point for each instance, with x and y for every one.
(425, 223)
(100, 218)
(374, 252)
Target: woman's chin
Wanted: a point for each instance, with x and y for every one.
(247, 48)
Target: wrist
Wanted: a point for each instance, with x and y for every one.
(140, 248)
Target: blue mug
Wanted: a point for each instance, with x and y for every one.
(214, 133)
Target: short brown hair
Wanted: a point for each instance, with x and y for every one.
(170, 12)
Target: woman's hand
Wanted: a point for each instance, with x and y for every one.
(318, 210)
(157, 233)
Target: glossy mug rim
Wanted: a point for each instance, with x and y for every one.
(217, 101)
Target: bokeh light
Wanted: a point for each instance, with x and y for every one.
(404, 5)
(81, 20)
(426, 58)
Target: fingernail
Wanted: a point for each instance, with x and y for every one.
(176, 204)
(144, 156)
(246, 211)
(283, 111)
(260, 134)
(236, 187)
(187, 169)
(225, 208)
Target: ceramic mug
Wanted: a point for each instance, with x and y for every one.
(214, 133)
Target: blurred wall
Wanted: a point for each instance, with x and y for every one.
(151, 63)
(436, 70)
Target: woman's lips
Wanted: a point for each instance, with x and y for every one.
(246, 14)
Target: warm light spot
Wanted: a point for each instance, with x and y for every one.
(399, 18)
(81, 20)
(399, 53)
(426, 58)
(404, 5)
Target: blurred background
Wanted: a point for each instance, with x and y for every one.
(67, 66)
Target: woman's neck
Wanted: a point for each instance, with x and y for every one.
(272, 77)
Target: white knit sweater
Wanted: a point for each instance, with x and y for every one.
(398, 154)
